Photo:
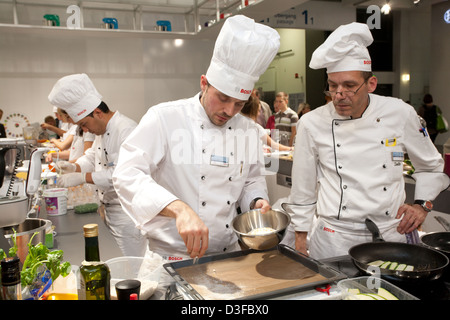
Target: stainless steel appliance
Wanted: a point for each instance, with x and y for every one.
(14, 208)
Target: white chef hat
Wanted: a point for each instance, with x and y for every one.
(76, 95)
(345, 50)
(242, 52)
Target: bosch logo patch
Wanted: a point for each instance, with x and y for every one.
(245, 91)
(328, 230)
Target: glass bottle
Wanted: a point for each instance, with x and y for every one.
(94, 274)
(11, 287)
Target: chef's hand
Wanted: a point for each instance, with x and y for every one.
(71, 179)
(191, 228)
(300, 242)
(263, 205)
(65, 167)
(413, 217)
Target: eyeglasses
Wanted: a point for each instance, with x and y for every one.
(343, 93)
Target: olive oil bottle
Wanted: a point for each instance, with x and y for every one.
(94, 274)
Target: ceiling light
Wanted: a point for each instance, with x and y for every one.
(386, 8)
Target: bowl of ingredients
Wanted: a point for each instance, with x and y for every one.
(261, 231)
(371, 288)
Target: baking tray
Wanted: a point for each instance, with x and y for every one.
(250, 274)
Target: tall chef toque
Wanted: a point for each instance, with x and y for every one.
(76, 95)
(242, 52)
(345, 50)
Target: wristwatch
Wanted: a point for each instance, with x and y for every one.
(427, 205)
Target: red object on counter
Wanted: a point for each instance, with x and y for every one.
(326, 289)
(133, 296)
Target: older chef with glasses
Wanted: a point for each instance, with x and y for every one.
(191, 163)
(348, 160)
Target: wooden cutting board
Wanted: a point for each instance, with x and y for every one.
(246, 276)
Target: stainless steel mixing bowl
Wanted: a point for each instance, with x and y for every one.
(253, 219)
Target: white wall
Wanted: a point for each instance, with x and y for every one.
(131, 72)
(280, 75)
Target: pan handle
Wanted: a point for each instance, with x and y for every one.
(376, 234)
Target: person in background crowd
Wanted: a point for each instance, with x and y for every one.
(303, 108)
(2, 127)
(185, 170)
(348, 157)
(264, 111)
(57, 126)
(81, 142)
(46, 133)
(251, 110)
(285, 119)
(428, 111)
(77, 95)
(68, 133)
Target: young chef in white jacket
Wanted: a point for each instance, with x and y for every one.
(188, 165)
(348, 158)
(77, 95)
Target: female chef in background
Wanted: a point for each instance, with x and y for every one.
(183, 172)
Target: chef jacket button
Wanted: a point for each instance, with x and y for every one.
(338, 145)
(336, 123)
(382, 142)
(203, 177)
(345, 186)
(227, 226)
(204, 150)
(229, 128)
(230, 178)
(387, 213)
(224, 249)
(99, 163)
(99, 148)
(202, 126)
(378, 119)
(231, 153)
(203, 203)
(340, 167)
(228, 202)
(344, 208)
(384, 188)
(384, 166)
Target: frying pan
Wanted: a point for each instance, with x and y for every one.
(429, 264)
(439, 241)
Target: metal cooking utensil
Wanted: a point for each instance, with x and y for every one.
(443, 222)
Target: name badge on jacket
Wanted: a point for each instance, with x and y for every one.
(220, 161)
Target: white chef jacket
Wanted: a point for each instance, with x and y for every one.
(101, 158)
(177, 153)
(77, 147)
(346, 170)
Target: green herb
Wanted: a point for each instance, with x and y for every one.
(38, 255)
(12, 251)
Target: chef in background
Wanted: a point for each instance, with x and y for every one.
(190, 163)
(348, 158)
(77, 95)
